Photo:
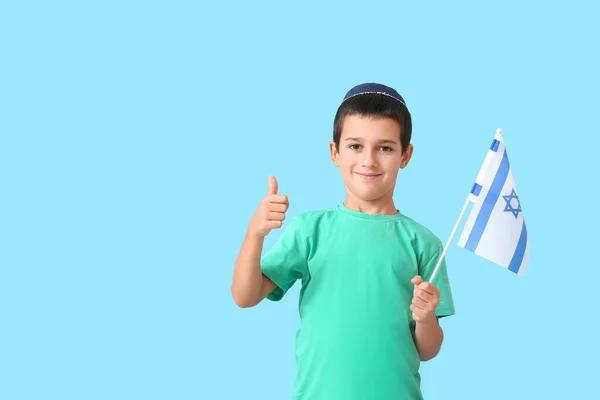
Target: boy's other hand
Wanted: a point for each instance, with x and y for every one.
(426, 298)
(270, 212)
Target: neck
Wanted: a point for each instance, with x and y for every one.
(384, 205)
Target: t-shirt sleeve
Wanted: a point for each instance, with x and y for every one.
(286, 261)
(446, 306)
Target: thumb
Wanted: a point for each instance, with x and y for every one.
(417, 280)
(272, 185)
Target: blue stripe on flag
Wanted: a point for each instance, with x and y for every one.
(495, 145)
(476, 189)
(488, 204)
(517, 259)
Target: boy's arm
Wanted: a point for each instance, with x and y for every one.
(428, 338)
(250, 286)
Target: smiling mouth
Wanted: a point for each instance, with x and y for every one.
(367, 176)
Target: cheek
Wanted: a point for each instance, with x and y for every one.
(393, 174)
(347, 161)
(392, 168)
(393, 163)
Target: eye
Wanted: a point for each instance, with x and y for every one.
(354, 146)
(387, 148)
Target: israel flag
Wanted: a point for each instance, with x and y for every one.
(495, 229)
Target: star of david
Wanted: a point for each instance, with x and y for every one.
(509, 203)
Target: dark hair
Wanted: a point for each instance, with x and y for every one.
(374, 105)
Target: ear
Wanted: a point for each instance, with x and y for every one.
(406, 156)
(335, 155)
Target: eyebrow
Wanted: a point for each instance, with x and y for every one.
(355, 139)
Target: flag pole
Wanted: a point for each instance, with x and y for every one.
(462, 213)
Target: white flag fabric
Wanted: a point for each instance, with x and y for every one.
(495, 229)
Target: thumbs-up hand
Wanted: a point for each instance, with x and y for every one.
(270, 212)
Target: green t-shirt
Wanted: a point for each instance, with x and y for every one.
(355, 340)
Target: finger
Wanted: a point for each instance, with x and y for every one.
(424, 305)
(274, 224)
(429, 288)
(278, 207)
(273, 186)
(431, 300)
(423, 295)
(420, 314)
(277, 198)
(275, 216)
(417, 313)
(416, 280)
(420, 303)
(415, 307)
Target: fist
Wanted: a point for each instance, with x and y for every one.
(426, 298)
(270, 212)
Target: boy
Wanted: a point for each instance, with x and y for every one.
(368, 314)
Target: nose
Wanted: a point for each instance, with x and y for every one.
(369, 160)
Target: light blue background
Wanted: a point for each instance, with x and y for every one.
(136, 141)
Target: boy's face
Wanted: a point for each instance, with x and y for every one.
(370, 156)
